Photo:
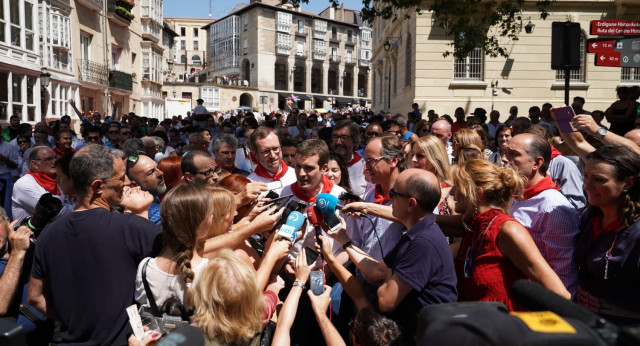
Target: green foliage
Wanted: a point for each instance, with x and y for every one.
(488, 24)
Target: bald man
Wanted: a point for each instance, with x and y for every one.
(421, 270)
(442, 130)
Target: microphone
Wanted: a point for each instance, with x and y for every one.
(289, 229)
(328, 203)
(314, 215)
(536, 297)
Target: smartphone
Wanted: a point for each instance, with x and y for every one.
(332, 221)
(317, 282)
(346, 196)
(274, 185)
(563, 119)
(279, 201)
(311, 255)
(272, 195)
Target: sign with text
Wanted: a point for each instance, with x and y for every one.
(615, 27)
(627, 45)
(630, 59)
(608, 59)
(595, 45)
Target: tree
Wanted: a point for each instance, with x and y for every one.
(488, 24)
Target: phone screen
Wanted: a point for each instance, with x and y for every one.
(332, 221)
(317, 282)
(312, 255)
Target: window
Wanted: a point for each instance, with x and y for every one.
(300, 26)
(576, 75)
(349, 36)
(195, 60)
(245, 47)
(284, 43)
(183, 31)
(334, 53)
(85, 46)
(349, 56)
(195, 45)
(630, 74)
(3, 37)
(182, 59)
(366, 35)
(407, 62)
(471, 67)
(115, 57)
(319, 49)
(245, 23)
(195, 32)
(183, 44)
(28, 25)
(284, 21)
(300, 48)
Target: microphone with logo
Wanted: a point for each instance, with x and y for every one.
(290, 228)
(328, 203)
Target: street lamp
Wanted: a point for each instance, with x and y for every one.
(170, 65)
(45, 77)
(387, 44)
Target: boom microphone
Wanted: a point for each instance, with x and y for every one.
(328, 204)
(289, 229)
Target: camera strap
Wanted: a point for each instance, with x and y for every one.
(147, 290)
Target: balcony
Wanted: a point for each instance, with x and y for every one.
(94, 5)
(303, 33)
(301, 54)
(283, 49)
(351, 40)
(334, 38)
(120, 12)
(349, 61)
(120, 80)
(92, 72)
(364, 62)
(319, 34)
(319, 56)
(335, 58)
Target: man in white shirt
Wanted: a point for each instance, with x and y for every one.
(442, 130)
(266, 152)
(344, 139)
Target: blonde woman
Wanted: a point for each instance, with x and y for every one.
(190, 215)
(463, 138)
(429, 153)
(230, 308)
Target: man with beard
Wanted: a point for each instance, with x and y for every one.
(63, 140)
(144, 171)
(344, 139)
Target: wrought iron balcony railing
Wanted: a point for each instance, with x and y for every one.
(93, 72)
(120, 80)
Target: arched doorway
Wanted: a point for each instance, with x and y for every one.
(246, 100)
(246, 72)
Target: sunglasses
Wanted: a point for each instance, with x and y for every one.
(133, 159)
(393, 193)
(20, 142)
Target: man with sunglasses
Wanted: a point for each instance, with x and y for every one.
(40, 179)
(143, 171)
(344, 139)
(419, 270)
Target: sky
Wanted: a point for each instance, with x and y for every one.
(200, 8)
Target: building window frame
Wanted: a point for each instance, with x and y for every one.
(470, 68)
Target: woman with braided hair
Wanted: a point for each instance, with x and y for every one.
(190, 215)
(609, 249)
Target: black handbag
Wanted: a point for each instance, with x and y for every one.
(171, 315)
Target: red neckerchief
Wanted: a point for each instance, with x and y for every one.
(61, 153)
(261, 171)
(327, 186)
(555, 152)
(598, 230)
(443, 185)
(379, 198)
(46, 182)
(545, 184)
(355, 159)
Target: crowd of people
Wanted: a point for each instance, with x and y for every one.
(180, 213)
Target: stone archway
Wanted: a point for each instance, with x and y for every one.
(246, 100)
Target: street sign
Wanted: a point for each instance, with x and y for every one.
(608, 59)
(631, 59)
(615, 27)
(595, 45)
(627, 45)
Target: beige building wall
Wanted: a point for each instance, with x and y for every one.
(194, 47)
(524, 79)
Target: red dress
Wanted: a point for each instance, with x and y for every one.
(483, 273)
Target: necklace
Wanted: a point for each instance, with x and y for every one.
(607, 256)
(470, 257)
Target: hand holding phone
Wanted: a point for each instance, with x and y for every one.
(317, 282)
(563, 116)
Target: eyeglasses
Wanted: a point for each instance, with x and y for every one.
(373, 134)
(210, 172)
(24, 141)
(126, 133)
(393, 193)
(47, 159)
(396, 133)
(113, 132)
(266, 152)
(342, 138)
(372, 161)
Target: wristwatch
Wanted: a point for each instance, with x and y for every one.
(600, 133)
(299, 284)
(347, 244)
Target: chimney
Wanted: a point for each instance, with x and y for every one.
(342, 12)
(332, 13)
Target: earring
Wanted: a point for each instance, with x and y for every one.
(625, 192)
(475, 209)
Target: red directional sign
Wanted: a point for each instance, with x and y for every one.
(596, 45)
(615, 27)
(608, 59)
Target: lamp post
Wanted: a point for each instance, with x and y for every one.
(45, 78)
